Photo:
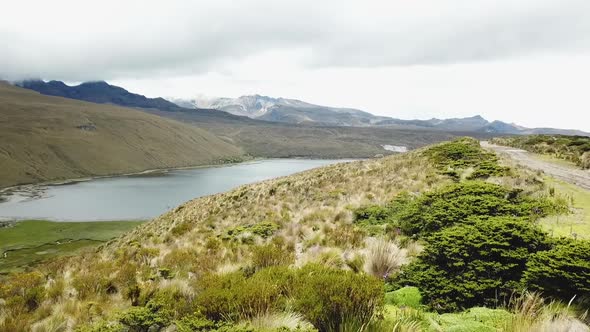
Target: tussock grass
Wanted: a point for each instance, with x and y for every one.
(383, 257)
(290, 221)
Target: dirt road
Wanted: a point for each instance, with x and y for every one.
(566, 173)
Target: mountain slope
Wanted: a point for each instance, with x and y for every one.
(299, 112)
(50, 138)
(103, 93)
(285, 110)
(263, 110)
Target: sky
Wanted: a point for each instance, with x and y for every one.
(524, 61)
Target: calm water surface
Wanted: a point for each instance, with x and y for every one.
(144, 197)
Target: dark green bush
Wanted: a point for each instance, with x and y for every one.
(452, 157)
(140, 319)
(171, 299)
(463, 152)
(562, 272)
(452, 204)
(457, 203)
(264, 229)
(474, 264)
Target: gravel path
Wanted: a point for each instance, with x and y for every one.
(566, 173)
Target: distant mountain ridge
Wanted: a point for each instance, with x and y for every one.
(263, 109)
(298, 112)
(98, 92)
(101, 92)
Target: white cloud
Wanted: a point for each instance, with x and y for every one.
(517, 61)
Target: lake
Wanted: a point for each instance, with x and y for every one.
(143, 196)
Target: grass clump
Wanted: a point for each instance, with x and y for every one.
(384, 258)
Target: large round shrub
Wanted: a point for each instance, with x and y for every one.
(474, 264)
(334, 299)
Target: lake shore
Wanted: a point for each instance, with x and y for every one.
(141, 195)
(29, 187)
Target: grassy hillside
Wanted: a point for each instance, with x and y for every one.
(444, 238)
(51, 138)
(574, 149)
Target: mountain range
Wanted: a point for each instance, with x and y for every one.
(299, 112)
(260, 109)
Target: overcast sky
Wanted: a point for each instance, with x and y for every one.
(523, 61)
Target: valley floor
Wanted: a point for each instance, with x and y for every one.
(26, 243)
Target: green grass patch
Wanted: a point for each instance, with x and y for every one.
(31, 241)
(575, 224)
(405, 297)
(477, 319)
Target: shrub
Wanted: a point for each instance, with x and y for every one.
(451, 157)
(331, 298)
(263, 229)
(24, 292)
(233, 296)
(457, 203)
(405, 297)
(93, 283)
(271, 254)
(142, 319)
(217, 295)
(561, 272)
(474, 264)
(101, 326)
(170, 298)
(453, 204)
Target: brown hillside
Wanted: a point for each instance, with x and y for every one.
(45, 138)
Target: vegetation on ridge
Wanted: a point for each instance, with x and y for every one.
(575, 149)
(330, 249)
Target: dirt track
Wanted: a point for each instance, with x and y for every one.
(566, 173)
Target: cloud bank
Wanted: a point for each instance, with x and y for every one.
(80, 40)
